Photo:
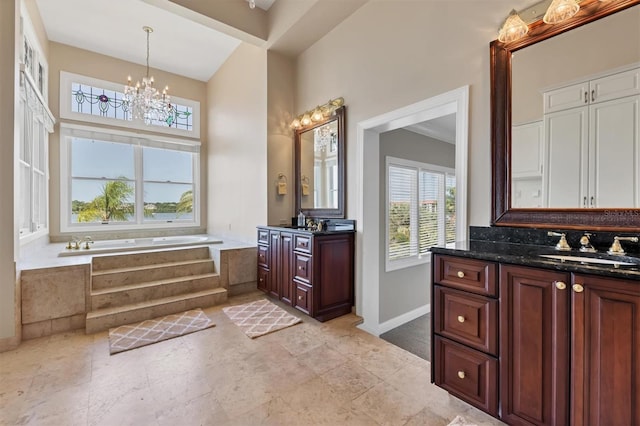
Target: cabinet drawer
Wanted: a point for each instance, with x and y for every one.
(302, 243)
(476, 276)
(302, 267)
(466, 318)
(263, 256)
(468, 374)
(263, 236)
(302, 298)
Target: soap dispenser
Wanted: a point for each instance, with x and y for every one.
(301, 219)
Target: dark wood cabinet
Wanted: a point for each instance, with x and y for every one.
(605, 348)
(312, 272)
(534, 356)
(568, 343)
(465, 324)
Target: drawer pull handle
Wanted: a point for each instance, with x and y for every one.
(460, 318)
(299, 297)
(461, 374)
(560, 285)
(300, 268)
(578, 288)
(460, 274)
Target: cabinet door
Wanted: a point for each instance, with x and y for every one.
(565, 178)
(614, 156)
(566, 97)
(274, 266)
(615, 86)
(534, 340)
(605, 349)
(286, 276)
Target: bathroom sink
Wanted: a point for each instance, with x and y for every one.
(622, 261)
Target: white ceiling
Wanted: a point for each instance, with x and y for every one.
(114, 28)
(441, 128)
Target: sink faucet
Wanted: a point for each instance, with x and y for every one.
(585, 244)
(616, 247)
(87, 240)
(562, 243)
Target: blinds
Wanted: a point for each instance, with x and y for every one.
(402, 220)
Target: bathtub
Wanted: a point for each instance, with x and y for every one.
(135, 244)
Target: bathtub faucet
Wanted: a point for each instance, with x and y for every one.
(87, 240)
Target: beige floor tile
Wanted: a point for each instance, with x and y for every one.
(313, 373)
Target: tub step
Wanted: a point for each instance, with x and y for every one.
(149, 290)
(110, 278)
(111, 261)
(103, 319)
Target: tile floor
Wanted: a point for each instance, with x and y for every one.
(312, 373)
(414, 336)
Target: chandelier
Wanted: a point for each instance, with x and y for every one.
(145, 101)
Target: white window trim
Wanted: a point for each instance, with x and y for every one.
(67, 79)
(417, 259)
(68, 130)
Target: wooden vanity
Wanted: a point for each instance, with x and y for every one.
(311, 271)
(534, 343)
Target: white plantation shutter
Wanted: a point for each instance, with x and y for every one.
(430, 209)
(420, 210)
(402, 216)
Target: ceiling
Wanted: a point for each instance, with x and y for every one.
(441, 128)
(114, 28)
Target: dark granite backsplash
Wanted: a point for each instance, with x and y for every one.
(601, 240)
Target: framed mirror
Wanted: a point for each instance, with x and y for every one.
(523, 107)
(320, 167)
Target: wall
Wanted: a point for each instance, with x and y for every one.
(237, 160)
(9, 28)
(280, 83)
(66, 58)
(406, 289)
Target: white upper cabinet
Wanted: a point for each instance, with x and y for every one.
(614, 86)
(592, 146)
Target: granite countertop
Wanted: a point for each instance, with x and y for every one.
(529, 255)
(304, 229)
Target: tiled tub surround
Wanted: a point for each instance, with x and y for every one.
(55, 290)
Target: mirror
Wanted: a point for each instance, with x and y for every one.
(537, 181)
(320, 169)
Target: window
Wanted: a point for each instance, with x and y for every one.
(91, 100)
(33, 157)
(420, 210)
(122, 180)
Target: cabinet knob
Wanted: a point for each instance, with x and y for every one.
(460, 274)
(461, 374)
(460, 318)
(560, 285)
(577, 288)
(300, 268)
(299, 297)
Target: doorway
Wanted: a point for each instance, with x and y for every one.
(370, 238)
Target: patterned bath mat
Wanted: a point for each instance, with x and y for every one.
(260, 317)
(147, 332)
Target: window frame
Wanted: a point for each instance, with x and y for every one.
(66, 81)
(68, 131)
(34, 135)
(418, 258)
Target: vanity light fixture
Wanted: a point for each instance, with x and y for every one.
(513, 28)
(560, 10)
(517, 24)
(319, 113)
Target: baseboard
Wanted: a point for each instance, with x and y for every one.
(403, 319)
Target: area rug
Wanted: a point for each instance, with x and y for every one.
(133, 336)
(460, 421)
(260, 317)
